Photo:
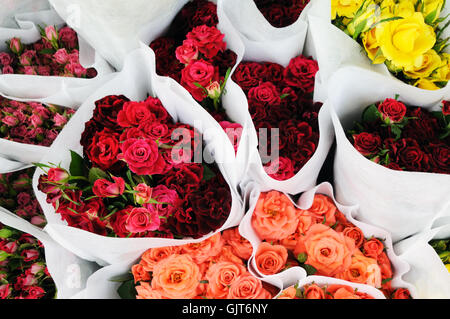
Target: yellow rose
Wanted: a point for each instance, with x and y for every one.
(373, 50)
(431, 9)
(443, 72)
(402, 41)
(448, 267)
(424, 65)
(405, 8)
(370, 15)
(345, 8)
(426, 84)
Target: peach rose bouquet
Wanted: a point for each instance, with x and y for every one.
(212, 269)
(315, 291)
(320, 239)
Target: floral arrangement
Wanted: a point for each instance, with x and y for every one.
(442, 248)
(31, 122)
(212, 269)
(16, 195)
(282, 98)
(314, 291)
(23, 272)
(281, 13)
(55, 54)
(403, 137)
(319, 239)
(407, 36)
(138, 177)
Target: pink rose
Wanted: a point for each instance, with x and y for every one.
(144, 193)
(10, 120)
(187, 52)
(61, 56)
(50, 33)
(198, 72)
(16, 46)
(30, 254)
(141, 220)
(69, 37)
(59, 120)
(38, 220)
(5, 59)
(36, 120)
(142, 156)
(233, 131)
(168, 198)
(29, 70)
(7, 70)
(57, 175)
(5, 291)
(27, 57)
(106, 189)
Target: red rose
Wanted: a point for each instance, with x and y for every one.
(356, 234)
(280, 169)
(273, 72)
(141, 220)
(107, 109)
(155, 131)
(155, 106)
(402, 293)
(440, 157)
(394, 166)
(183, 222)
(247, 74)
(366, 143)
(209, 40)
(385, 266)
(301, 72)
(424, 128)
(33, 292)
(276, 15)
(142, 156)
(184, 179)
(133, 132)
(106, 189)
(224, 60)
(187, 52)
(393, 110)
(446, 107)
(373, 248)
(198, 72)
(205, 13)
(411, 156)
(118, 222)
(134, 113)
(257, 111)
(68, 37)
(104, 148)
(265, 93)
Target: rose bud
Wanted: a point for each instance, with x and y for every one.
(392, 111)
(214, 90)
(57, 175)
(144, 194)
(15, 45)
(29, 254)
(38, 220)
(51, 34)
(104, 188)
(446, 107)
(59, 120)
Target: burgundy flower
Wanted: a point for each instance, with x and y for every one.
(367, 144)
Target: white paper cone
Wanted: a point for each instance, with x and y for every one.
(403, 203)
(133, 82)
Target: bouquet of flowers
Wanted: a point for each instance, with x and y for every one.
(31, 122)
(212, 269)
(16, 195)
(137, 176)
(23, 271)
(404, 138)
(281, 14)
(282, 98)
(321, 239)
(55, 54)
(384, 29)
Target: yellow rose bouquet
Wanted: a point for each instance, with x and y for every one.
(406, 35)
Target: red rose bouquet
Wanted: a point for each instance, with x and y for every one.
(212, 269)
(55, 54)
(281, 13)
(282, 98)
(23, 271)
(403, 137)
(138, 177)
(320, 239)
(16, 195)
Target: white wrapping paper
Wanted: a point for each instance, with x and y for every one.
(134, 82)
(428, 274)
(335, 49)
(327, 281)
(69, 272)
(403, 203)
(292, 275)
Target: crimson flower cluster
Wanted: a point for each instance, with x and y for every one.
(404, 138)
(138, 177)
(31, 122)
(55, 54)
(23, 271)
(282, 98)
(16, 195)
(281, 13)
(193, 53)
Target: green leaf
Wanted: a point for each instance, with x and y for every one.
(46, 51)
(371, 114)
(430, 17)
(77, 167)
(359, 28)
(396, 131)
(298, 293)
(208, 173)
(122, 278)
(385, 281)
(310, 270)
(204, 281)
(5, 233)
(127, 290)
(96, 173)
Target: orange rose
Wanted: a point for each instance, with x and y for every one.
(289, 242)
(205, 249)
(248, 287)
(402, 293)
(386, 269)
(139, 273)
(323, 208)
(176, 277)
(356, 234)
(373, 248)
(342, 222)
(154, 255)
(270, 259)
(345, 292)
(275, 217)
(288, 293)
(363, 270)
(226, 254)
(328, 251)
(241, 246)
(313, 292)
(305, 221)
(220, 277)
(144, 291)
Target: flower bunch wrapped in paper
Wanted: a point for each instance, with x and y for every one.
(407, 36)
(281, 13)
